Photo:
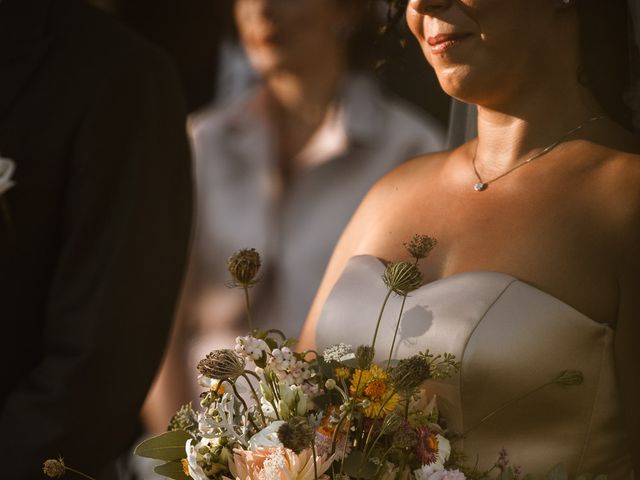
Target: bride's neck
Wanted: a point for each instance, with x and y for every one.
(511, 132)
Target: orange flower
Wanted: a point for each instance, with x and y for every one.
(372, 385)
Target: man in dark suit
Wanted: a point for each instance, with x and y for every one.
(92, 256)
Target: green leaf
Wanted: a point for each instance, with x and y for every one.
(261, 334)
(171, 470)
(262, 361)
(351, 363)
(290, 342)
(356, 467)
(167, 446)
(558, 473)
(507, 474)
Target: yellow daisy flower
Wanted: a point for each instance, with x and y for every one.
(371, 384)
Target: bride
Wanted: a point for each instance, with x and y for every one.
(537, 268)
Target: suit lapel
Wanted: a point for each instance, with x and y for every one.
(23, 46)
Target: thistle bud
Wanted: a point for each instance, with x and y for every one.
(392, 422)
(405, 437)
(243, 267)
(364, 356)
(402, 277)
(409, 373)
(222, 365)
(54, 468)
(296, 434)
(330, 384)
(420, 246)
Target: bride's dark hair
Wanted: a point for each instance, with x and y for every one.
(606, 52)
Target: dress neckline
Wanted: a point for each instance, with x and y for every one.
(475, 273)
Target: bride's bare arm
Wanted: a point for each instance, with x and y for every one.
(370, 232)
(350, 244)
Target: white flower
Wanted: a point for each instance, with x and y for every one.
(7, 168)
(251, 347)
(267, 437)
(288, 368)
(444, 449)
(208, 383)
(267, 408)
(195, 470)
(335, 353)
(424, 472)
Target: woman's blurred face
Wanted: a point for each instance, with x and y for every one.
(482, 50)
(295, 35)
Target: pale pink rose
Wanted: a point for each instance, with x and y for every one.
(276, 463)
(447, 475)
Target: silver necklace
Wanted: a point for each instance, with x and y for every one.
(482, 185)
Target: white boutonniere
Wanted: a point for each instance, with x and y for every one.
(7, 167)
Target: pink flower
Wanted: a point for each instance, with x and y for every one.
(447, 475)
(324, 443)
(276, 463)
(427, 448)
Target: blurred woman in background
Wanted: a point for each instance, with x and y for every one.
(282, 169)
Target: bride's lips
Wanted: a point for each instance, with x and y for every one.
(444, 41)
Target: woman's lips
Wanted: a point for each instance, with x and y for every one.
(444, 41)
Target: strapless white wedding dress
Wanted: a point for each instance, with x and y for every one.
(511, 338)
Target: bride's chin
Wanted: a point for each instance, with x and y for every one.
(462, 83)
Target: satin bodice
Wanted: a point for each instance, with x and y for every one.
(511, 339)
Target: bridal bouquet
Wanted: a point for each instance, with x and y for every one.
(270, 412)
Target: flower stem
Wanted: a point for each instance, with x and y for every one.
(244, 404)
(78, 472)
(315, 461)
(276, 331)
(395, 334)
(384, 304)
(255, 397)
(247, 306)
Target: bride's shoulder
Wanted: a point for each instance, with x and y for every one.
(618, 170)
(617, 182)
(413, 173)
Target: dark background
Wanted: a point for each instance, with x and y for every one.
(190, 31)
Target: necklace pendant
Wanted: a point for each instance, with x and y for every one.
(480, 186)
